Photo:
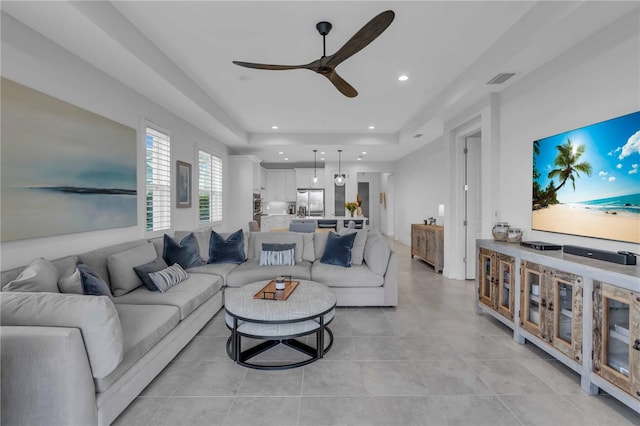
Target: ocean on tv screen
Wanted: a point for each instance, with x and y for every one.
(586, 181)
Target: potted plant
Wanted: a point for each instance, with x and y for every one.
(351, 206)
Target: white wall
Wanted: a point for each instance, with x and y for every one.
(36, 62)
(594, 81)
(585, 88)
(420, 185)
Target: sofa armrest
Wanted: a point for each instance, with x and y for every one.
(391, 281)
(46, 379)
(95, 316)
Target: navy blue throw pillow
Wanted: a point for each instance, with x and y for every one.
(230, 250)
(92, 284)
(143, 272)
(338, 249)
(185, 253)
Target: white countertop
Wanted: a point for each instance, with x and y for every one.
(330, 218)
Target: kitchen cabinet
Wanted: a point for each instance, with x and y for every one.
(496, 285)
(304, 178)
(551, 302)
(616, 339)
(427, 242)
(281, 185)
(275, 222)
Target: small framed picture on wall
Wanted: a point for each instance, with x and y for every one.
(183, 185)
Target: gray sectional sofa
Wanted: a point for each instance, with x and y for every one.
(71, 359)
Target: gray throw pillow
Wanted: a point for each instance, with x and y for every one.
(357, 252)
(120, 265)
(40, 276)
(71, 283)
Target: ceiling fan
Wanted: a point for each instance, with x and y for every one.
(326, 64)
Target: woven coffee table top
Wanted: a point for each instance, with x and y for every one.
(310, 298)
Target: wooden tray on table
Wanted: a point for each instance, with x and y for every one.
(269, 292)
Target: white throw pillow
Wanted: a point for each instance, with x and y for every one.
(357, 252)
(71, 283)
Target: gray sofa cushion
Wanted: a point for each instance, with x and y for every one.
(95, 316)
(186, 296)
(221, 269)
(251, 271)
(96, 260)
(40, 275)
(337, 276)
(120, 265)
(258, 238)
(62, 265)
(319, 243)
(376, 253)
(357, 252)
(143, 327)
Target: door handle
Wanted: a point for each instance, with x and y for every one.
(543, 303)
(636, 345)
(550, 306)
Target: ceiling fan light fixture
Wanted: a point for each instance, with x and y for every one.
(339, 180)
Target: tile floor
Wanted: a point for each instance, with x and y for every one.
(430, 361)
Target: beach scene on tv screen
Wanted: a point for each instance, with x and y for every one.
(586, 181)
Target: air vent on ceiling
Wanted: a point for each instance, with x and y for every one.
(501, 78)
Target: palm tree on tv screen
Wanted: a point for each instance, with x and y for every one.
(567, 165)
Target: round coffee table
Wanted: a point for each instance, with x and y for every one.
(308, 310)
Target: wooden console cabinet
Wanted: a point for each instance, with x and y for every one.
(427, 242)
(583, 312)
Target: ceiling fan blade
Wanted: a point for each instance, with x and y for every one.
(344, 87)
(269, 67)
(362, 38)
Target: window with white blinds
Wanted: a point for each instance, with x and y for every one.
(210, 187)
(158, 180)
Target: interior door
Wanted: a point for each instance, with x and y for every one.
(473, 202)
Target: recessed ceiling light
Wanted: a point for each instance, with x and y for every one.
(321, 158)
(403, 78)
(286, 159)
(372, 127)
(322, 152)
(360, 158)
(274, 127)
(364, 152)
(280, 152)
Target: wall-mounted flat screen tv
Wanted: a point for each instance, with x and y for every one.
(586, 181)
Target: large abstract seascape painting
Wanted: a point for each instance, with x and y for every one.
(587, 181)
(64, 169)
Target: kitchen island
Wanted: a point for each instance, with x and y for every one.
(342, 221)
(280, 222)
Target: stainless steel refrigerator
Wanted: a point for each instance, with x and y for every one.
(312, 200)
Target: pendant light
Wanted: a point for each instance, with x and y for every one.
(339, 181)
(315, 177)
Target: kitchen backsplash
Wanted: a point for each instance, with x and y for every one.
(276, 207)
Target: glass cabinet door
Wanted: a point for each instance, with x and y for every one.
(505, 286)
(486, 276)
(616, 324)
(532, 297)
(616, 339)
(564, 312)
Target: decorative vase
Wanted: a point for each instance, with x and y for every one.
(280, 285)
(514, 235)
(351, 211)
(500, 231)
